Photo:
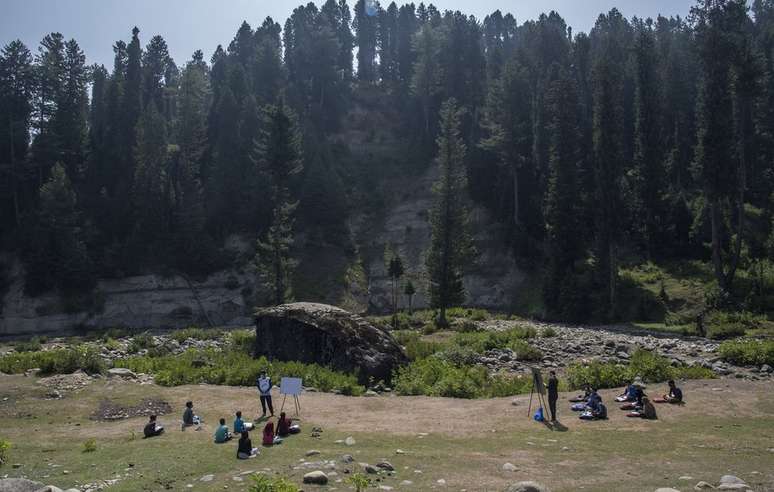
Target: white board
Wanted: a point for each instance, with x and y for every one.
(290, 386)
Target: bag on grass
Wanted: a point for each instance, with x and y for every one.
(539, 415)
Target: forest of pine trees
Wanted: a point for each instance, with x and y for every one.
(642, 140)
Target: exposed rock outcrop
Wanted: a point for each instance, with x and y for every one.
(327, 335)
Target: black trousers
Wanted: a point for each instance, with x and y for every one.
(266, 400)
(552, 407)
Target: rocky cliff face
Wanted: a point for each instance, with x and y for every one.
(148, 301)
(491, 280)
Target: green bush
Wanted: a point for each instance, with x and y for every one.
(195, 333)
(435, 376)
(721, 325)
(57, 361)
(112, 344)
(242, 341)
(474, 314)
(482, 341)
(359, 481)
(459, 356)
(262, 483)
(525, 351)
(5, 447)
(139, 342)
(233, 368)
(548, 333)
(650, 367)
(748, 352)
(31, 345)
(467, 326)
(90, 445)
(415, 347)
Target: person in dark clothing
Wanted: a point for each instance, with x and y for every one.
(152, 429)
(553, 394)
(264, 388)
(245, 449)
(189, 418)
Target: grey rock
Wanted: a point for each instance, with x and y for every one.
(370, 393)
(766, 368)
(526, 487)
(207, 478)
(19, 485)
(347, 458)
(703, 486)
(308, 332)
(312, 452)
(121, 372)
(50, 488)
(316, 477)
(731, 479)
(509, 467)
(370, 469)
(385, 465)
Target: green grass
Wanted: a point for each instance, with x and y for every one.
(56, 361)
(196, 333)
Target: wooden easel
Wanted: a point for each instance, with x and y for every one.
(296, 403)
(540, 389)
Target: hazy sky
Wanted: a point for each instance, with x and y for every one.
(188, 25)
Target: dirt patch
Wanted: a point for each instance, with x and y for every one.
(108, 410)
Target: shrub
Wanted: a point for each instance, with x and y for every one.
(112, 344)
(435, 376)
(649, 366)
(31, 345)
(488, 340)
(748, 352)
(525, 351)
(234, 368)
(242, 341)
(89, 446)
(722, 325)
(359, 481)
(467, 326)
(262, 483)
(139, 342)
(415, 347)
(5, 447)
(548, 333)
(459, 356)
(474, 314)
(57, 361)
(196, 334)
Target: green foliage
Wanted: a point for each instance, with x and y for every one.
(89, 445)
(359, 481)
(195, 333)
(263, 483)
(488, 340)
(234, 368)
(415, 347)
(5, 447)
(548, 333)
(748, 352)
(31, 345)
(56, 361)
(434, 376)
(650, 367)
(112, 344)
(242, 341)
(722, 325)
(139, 342)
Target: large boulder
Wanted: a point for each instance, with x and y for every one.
(526, 487)
(326, 335)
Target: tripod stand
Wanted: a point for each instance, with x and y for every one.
(540, 389)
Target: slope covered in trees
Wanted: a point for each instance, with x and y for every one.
(642, 140)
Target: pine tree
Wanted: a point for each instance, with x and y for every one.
(395, 270)
(277, 153)
(365, 23)
(426, 82)
(451, 244)
(16, 99)
(563, 212)
(409, 290)
(150, 197)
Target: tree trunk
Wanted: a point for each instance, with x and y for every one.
(516, 220)
(613, 280)
(717, 257)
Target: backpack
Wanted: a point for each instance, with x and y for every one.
(539, 415)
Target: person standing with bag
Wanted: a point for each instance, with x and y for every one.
(264, 389)
(553, 394)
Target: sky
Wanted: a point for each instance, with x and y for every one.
(188, 25)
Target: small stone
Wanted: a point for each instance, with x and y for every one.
(385, 487)
(766, 368)
(350, 441)
(731, 479)
(441, 481)
(685, 477)
(703, 486)
(515, 402)
(370, 469)
(312, 452)
(399, 451)
(509, 467)
(385, 465)
(16, 465)
(347, 458)
(207, 478)
(121, 372)
(371, 393)
(316, 477)
(526, 487)
(666, 489)
(406, 483)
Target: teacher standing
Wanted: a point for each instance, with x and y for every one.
(264, 389)
(553, 394)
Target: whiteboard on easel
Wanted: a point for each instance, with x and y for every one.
(290, 386)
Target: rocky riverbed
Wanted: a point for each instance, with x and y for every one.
(574, 344)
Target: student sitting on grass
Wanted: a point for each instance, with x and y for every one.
(633, 392)
(675, 394)
(599, 412)
(285, 426)
(648, 411)
(245, 449)
(221, 433)
(152, 428)
(240, 425)
(269, 437)
(638, 394)
(584, 397)
(189, 419)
